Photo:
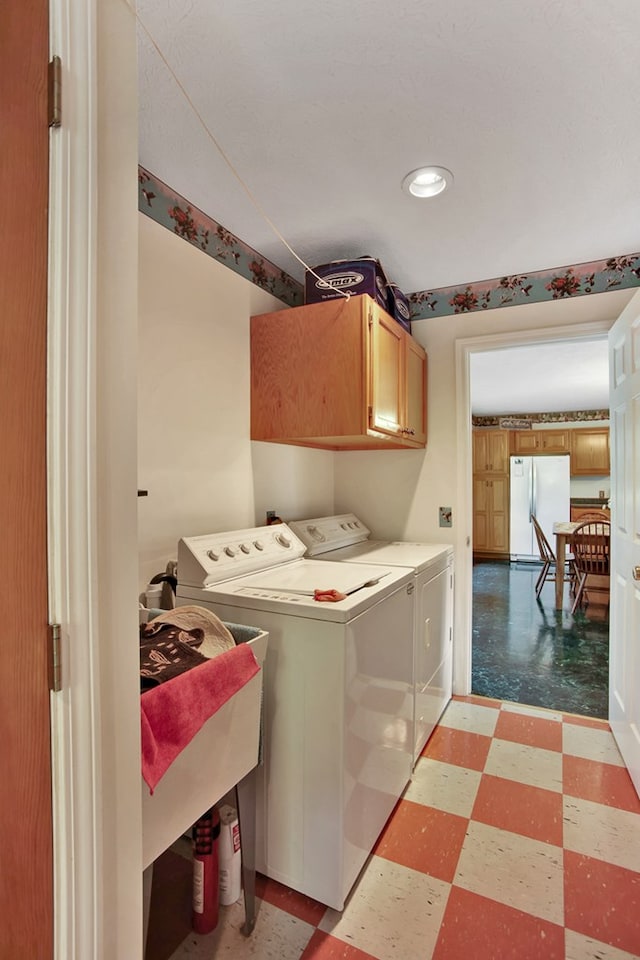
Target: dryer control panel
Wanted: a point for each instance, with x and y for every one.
(322, 534)
(214, 557)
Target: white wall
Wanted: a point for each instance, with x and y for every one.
(195, 457)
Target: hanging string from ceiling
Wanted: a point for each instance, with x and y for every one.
(254, 200)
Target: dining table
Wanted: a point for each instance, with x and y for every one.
(562, 531)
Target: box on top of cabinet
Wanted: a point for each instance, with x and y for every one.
(363, 275)
(399, 306)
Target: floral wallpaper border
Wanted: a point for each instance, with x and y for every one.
(158, 201)
(171, 210)
(564, 417)
(597, 276)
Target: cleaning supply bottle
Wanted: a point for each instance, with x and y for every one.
(206, 831)
(230, 856)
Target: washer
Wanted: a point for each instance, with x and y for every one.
(338, 705)
(346, 538)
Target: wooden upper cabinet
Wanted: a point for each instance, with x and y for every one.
(590, 452)
(527, 442)
(490, 451)
(339, 375)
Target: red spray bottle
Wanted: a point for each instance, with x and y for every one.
(204, 916)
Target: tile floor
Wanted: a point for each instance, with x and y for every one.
(524, 650)
(518, 837)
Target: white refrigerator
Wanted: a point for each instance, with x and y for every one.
(539, 486)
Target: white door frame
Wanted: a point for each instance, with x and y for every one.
(464, 539)
(75, 711)
(91, 402)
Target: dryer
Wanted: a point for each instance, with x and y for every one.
(338, 704)
(346, 538)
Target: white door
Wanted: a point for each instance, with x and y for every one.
(624, 668)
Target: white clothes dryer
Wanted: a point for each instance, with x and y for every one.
(346, 538)
(338, 705)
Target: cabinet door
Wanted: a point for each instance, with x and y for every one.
(525, 442)
(590, 452)
(498, 444)
(499, 498)
(481, 518)
(416, 390)
(553, 441)
(387, 363)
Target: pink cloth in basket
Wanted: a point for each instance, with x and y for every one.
(172, 713)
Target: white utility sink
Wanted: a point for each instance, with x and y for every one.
(223, 751)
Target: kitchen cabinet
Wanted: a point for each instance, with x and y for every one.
(590, 452)
(490, 451)
(491, 491)
(526, 442)
(491, 514)
(338, 375)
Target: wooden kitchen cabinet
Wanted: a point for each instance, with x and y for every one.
(526, 442)
(491, 491)
(338, 375)
(490, 451)
(491, 514)
(590, 452)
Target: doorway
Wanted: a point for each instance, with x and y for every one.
(520, 647)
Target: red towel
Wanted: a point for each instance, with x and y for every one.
(173, 712)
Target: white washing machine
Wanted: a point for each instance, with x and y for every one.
(338, 706)
(346, 538)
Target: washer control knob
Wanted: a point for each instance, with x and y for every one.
(282, 540)
(344, 526)
(244, 548)
(212, 555)
(230, 552)
(258, 544)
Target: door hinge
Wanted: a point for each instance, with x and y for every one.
(55, 91)
(55, 663)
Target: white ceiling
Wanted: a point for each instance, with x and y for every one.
(324, 107)
(545, 378)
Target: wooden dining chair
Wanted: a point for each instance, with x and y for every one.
(590, 546)
(549, 563)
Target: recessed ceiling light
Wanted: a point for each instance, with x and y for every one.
(427, 181)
